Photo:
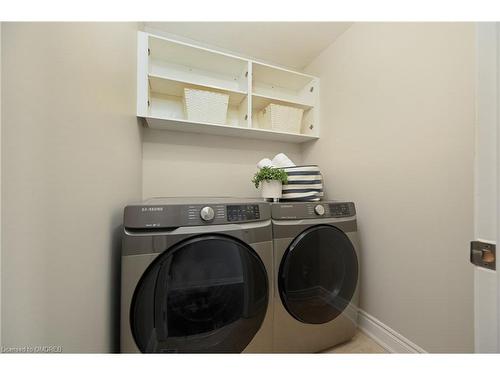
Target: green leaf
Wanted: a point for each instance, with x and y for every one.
(269, 174)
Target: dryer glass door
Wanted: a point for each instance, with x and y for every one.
(318, 274)
(206, 294)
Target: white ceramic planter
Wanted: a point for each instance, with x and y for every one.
(271, 189)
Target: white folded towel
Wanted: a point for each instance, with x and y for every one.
(282, 161)
(279, 161)
(264, 163)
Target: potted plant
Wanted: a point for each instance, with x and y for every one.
(272, 180)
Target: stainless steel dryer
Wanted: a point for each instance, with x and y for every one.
(197, 276)
(316, 275)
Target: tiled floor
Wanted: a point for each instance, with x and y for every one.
(360, 343)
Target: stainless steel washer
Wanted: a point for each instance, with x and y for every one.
(316, 275)
(197, 276)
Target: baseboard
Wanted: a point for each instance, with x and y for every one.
(385, 336)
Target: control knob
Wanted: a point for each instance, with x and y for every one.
(319, 209)
(207, 213)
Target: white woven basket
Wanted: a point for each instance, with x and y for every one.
(205, 106)
(281, 117)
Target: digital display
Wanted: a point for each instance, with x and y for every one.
(243, 212)
(340, 209)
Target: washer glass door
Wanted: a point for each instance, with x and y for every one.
(318, 274)
(206, 294)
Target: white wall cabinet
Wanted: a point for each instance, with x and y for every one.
(165, 67)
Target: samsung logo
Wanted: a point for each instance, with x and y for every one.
(151, 209)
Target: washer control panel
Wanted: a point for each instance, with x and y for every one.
(207, 214)
(243, 212)
(211, 213)
(312, 210)
(157, 216)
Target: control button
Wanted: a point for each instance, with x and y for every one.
(319, 209)
(207, 213)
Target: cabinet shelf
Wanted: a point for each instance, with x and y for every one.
(225, 130)
(168, 86)
(165, 67)
(171, 52)
(261, 101)
(279, 77)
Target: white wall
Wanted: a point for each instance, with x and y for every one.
(397, 104)
(183, 164)
(71, 159)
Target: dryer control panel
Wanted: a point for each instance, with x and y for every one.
(312, 210)
(158, 215)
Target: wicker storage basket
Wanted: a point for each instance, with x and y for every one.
(281, 117)
(205, 106)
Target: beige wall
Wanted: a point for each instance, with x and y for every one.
(71, 159)
(397, 137)
(184, 164)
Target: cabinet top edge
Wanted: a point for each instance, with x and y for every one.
(175, 41)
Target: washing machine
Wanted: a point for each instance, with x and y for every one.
(316, 260)
(197, 276)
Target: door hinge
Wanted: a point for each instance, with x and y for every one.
(483, 254)
(149, 52)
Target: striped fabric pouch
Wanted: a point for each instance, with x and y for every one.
(305, 183)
